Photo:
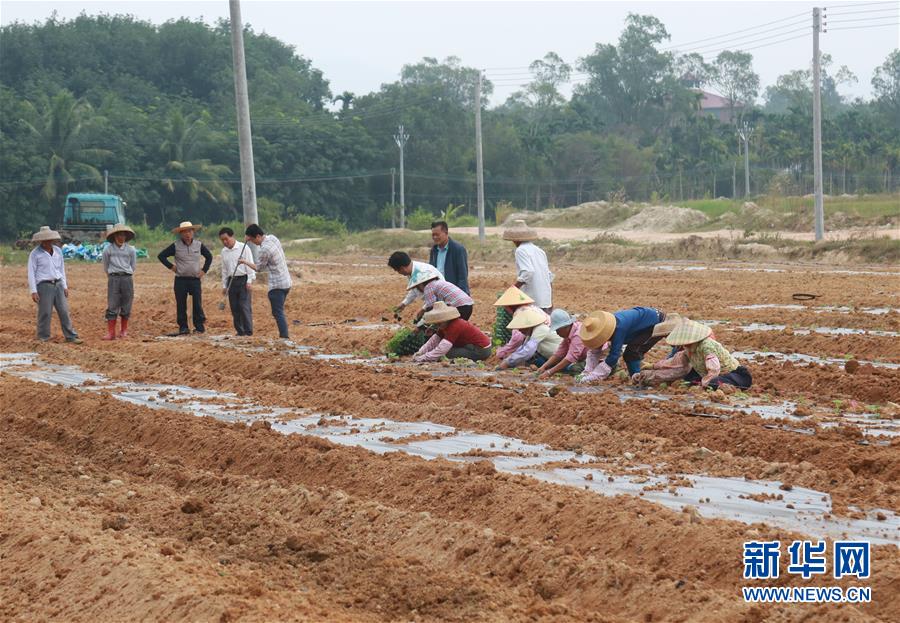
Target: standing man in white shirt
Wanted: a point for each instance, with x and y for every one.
(533, 274)
(236, 280)
(271, 258)
(48, 285)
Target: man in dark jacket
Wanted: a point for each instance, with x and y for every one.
(449, 257)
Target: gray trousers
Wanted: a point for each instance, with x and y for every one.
(119, 296)
(469, 351)
(241, 305)
(53, 295)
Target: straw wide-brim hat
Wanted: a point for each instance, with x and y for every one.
(418, 277)
(560, 318)
(688, 332)
(45, 233)
(441, 312)
(519, 232)
(597, 328)
(513, 296)
(527, 318)
(664, 328)
(120, 228)
(186, 225)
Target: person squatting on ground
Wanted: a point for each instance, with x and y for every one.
(119, 262)
(236, 280)
(711, 365)
(435, 289)
(449, 257)
(404, 265)
(271, 258)
(48, 285)
(540, 342)
(453, 338)
(571, 351)
(514, 301)
(631, 329)
(533, 274)
(188, 274)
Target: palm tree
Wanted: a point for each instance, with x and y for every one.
(187, 176)
(62, 129)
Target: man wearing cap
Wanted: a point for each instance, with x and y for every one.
(449, 257)
(48, 285)
(271, 258)
(631, 329)
(402, 264)
(571, 350)
(119, 261)
(188, 272)
(533, 274)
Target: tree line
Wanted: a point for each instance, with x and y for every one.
(154, 105)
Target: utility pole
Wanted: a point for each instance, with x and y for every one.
(393, 202)
(242, 104)
(817, 127)
(745, 131)
(105, 182)
(400, 138)
(479, 160)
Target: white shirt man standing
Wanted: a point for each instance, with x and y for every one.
(48, 285)
(533, 274)
(236, 280)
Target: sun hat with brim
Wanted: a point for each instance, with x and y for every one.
(664, 328)
(526, 319)
(441, 312)
(420, 276)
(120, 228)
(44, 234)
(597, 328)
(186, 225)
(513, 296)
(688, 332)
(560, 318)
(519, 232)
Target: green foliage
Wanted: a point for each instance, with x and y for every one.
(419, 219)
(406, 341)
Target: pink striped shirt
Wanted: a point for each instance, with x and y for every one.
(572, 348)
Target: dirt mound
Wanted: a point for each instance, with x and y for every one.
(591, 214)
(664, 219)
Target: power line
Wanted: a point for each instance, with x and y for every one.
(858, 27)
(736, 32)
(863, 19)
(868, 11)
(856, 4)
(740, 46)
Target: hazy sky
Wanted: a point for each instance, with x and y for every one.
(360, 45)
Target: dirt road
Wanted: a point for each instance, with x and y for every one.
(121, 504)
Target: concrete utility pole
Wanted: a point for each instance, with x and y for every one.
(817, 127)
(745, 131)
(242, 104)
(400, 138)
(393, 202)
(105, 182)
(479, 160)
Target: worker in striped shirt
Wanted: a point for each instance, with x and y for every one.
(434, 289)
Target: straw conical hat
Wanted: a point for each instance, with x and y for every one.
(45, 233)
(120, 227)
(597, 328)
(420, 276)
(688, 332)
(513, 296)
(527, 318)
(666, 326)
(519, 232)
(186, 225)
(441, 312)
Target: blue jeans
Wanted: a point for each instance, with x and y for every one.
(276, 300)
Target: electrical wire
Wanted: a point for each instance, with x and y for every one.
(856, 4)
(858, 27)
(736, 32)
(860, 12)
(863, 19)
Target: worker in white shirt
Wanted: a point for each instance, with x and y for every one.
(404, 265)
(48, 285)
(533, 274)
(236, 280)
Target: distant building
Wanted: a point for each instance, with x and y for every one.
(716, 106)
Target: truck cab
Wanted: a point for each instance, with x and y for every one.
(87, 215)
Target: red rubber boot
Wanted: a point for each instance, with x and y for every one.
(124, 332)
(110, 330)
